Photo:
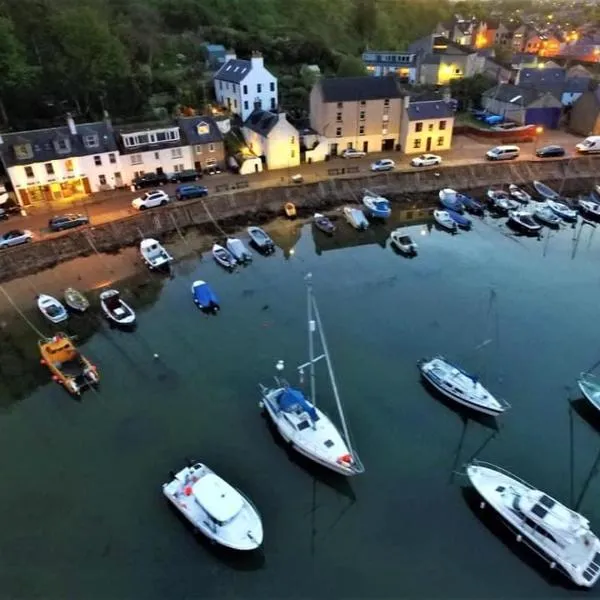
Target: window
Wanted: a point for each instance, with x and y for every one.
(220, 85)
(136, 159)
(272, 86)
(442, 125)
(49, 168)
(98, 161)
(142, 139)
(29, 172)
(430, 127)
(292, 153)
(361, 130)
(112, 159)
(386, 102)
(90, 141)
(156, 156)
(293, 140)
(417, 143)
(102, 179)
(62, 145)
(338, 132)
(199, 149)
(23, 151)
(338, 117)
(178, 168)
(362, 115)
(161, 136)
(418, 127)
(245, 104)
(384, 131)
(340, 105)
(211, 147)
(69, 166)
(440, 140)
(272, 103)
(258, 88)
(245, 90)
(363, 103)
(210, 162)
(235, 104)
(176, 153)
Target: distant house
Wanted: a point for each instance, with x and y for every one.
(521, 60)
(216, 55)
(242, 86)
(427, 125)
(401, 64)
(205, 142)
(272, 136)
(585, 114)
(549, 77)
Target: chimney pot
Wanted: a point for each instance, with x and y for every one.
(71, 124)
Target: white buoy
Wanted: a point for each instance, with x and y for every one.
(519, 538)
(482, 505)
(553, 565)
(280, 365)
(155, 356)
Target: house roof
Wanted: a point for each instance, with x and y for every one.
(513, 94)
(261, 121)
(148, 128)
(542, 79)
(194, 130)
(523, 58)
(234, 70)
(577, 84)
(353, 89)
(450, 46)
(43, 142)
(420, 110)
(214, 48)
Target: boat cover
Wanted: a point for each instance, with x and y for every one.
(204, 294)
(292, 400)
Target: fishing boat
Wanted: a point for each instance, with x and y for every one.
(290, 210)
(323, 223)
(204, 297)
(376, 206)
(223, 256)
(545, 192)
(560, 535)
(261, 240)
(403, 242)
(214, 507)
(115, 309)
(67, 366)
(444, 220)
(460, 386)
(564, 211)
(356, 218)
(519, 194)
(462, 221)
(544, 214)
(153, 254)
(501, 200)
(449, 199)
(524, 220)
(51, 308)
(589, 385)
(298, 419)
(589, 209)
(75, 300)
(238, 250)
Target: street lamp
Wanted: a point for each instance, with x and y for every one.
(538, 132)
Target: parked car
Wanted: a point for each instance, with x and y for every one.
(150, 180)
(187, 175)
(352, 153)
(15, 237)
(426, 160)
(150, 200)
(383, 164)
(589, 145)
(67, 222)
(549, 151)
(186, 192)
(503, 152)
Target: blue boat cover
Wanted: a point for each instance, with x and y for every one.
(204, 295)
(458, 218)
(292, 400)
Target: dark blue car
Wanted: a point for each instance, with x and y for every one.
(187, 192)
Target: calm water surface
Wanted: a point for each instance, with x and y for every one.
(83, 515)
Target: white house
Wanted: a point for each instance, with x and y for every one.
(244, 85)
(62, 163)
(272, 136)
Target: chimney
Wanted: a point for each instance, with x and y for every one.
(405, 102)
(107, 121)
(256, 60)
(71, 124)
(230, 55)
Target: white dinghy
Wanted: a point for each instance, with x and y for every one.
(304, 426)
(444, 220)
(115, 309)
(460, 386)
(51, 308)
(153, 254)
(238, 250)
(559, 534)
(215, 508)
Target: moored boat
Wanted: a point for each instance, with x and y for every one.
(51, 308)
(223, 257)
(323, 223)
(501, 200)
(590, 387)
(115, 309)
(589, 209)
(563, 210)
(519, 194)
(376, 206)
(524, 220)
(444, 220)
(545, 192)
(462, 221)
(544, 214)
(356, 218)
(261, 240)
(153, 254)
(75, 300)
(238, 250)
(403, 242)
(290, 210)
(204, 296)
(449, 199)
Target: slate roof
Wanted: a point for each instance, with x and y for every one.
(261, 121)
(577, 84)
(148, 127)
(43, 143)
(189, 126)
(505, 92)
(420, 110)
(234, 70)
(542, 79)
(353, 89)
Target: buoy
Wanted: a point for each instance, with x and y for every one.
(553, 565)
(280, 365)
(155, 356)
(519, 538)
(188, 491)
(482, 505)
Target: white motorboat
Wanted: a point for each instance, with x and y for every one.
(215, 508)
(116, 309)
(223, 256)
(519, 194)
(304, 426)
(590, 387)
(356, 218)
(443, 219)
(501, 200)
(376, 206)
(51, 308)
(153, 254)
(524, 220)
(403, 242)
(460, 386)
(547, 193)
(238, 250)
(261, 240)
(564, 211)
(562, 536)
(544, 214)
(75, 300)
(589, 209)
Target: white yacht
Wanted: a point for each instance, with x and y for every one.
(153, 254)
(215, 508)
(562, 536)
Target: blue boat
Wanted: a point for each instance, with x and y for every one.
(204, 297)
(470, 204)
(450, 200)
(462, 221)
(377, 206)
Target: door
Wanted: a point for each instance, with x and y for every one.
(118, 180)
(198, 166)
(428, 147)
(86, 185)
(159, 171)
(333, 149)
(365, 146)
(24, 195)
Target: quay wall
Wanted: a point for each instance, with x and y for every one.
(237, 209)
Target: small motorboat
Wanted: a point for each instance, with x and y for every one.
(449, 199)
(471, 205)
(261, 240)
(68, 367)
(564, 211)
(519, 194)
(115, 309)
(215, 508)
(501, 200)
(290, 210)
(323, 223)
(356, 218)
(75, 300)
(524, 221)
(558, 534)
(376, 206)
(403, 242)
(223, 256)
(204, 297)
(444, 220)
(590, 387)
(51, 308)
(545, 192)
(462, 221)
(460, 386)
(589, 209)
(153, 254)
(238, 250)
(544, 214)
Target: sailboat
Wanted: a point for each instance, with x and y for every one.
(304, 426)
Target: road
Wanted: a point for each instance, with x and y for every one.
(108, 206)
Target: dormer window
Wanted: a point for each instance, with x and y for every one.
(62, 145)
(23, 151)
(202, 128)
(91, 141)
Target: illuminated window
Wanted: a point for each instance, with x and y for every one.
(29, 172)
(361, 130)
(338, 132)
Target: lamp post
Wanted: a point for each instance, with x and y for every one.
(538, 132)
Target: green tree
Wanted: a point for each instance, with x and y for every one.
(351, 66)
(468, 91)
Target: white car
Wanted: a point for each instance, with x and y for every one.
(426, 160)
(15, 237)
(353, 153)
(384, 164)
(150, 200)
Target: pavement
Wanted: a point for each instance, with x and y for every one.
(109, 206)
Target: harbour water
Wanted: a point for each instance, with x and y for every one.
(83, 515)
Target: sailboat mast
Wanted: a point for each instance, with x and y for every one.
(311, 343)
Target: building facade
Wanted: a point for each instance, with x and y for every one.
(204, 142)
(584, 118)
(427, 125)
(401, 64)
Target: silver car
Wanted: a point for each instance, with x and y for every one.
(14, 237)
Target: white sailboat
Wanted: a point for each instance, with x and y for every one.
(308, 429)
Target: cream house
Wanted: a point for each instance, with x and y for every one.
(427, 125)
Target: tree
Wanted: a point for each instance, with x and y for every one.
(351, 66)
(468, 91)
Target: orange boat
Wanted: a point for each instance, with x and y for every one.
(290, 210)
(68, 367)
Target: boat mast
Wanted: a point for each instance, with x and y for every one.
(311, 344)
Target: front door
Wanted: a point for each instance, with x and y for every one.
(333, 149)
(118, 180)
(428, 147)
(365, 146)
(197, 166)
(159, 170)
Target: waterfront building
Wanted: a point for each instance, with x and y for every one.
(426, 125)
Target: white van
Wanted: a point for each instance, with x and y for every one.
(503, 153)
(589, 145)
